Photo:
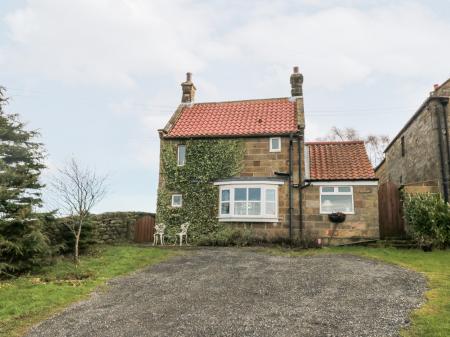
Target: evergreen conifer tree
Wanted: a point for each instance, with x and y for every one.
(22, 242)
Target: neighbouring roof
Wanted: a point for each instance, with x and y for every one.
(346, 160)
(275, 116)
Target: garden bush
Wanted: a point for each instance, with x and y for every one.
(61, 239)
(229, 236)
(428, 219)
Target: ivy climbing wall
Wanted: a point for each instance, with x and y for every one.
(207, 160)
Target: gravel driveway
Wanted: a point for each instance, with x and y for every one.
(237, 292)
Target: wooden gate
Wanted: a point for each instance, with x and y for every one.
(390, 211)
(144, 229)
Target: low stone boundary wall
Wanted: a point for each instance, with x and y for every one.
(115, 227)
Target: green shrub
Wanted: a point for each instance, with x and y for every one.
(428, 218)
(228, 236)
(62, 239)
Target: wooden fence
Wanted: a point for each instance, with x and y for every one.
(390, 211)
(144, 229)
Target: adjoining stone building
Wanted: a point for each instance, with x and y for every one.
(418, 158)
(285, 187)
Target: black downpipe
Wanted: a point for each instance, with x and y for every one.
(300, 183)
(290, 186)
(441, 154)
(445, 113)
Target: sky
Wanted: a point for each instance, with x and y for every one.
(97, 78)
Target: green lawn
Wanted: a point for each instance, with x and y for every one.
(433, 318)
(27, 300)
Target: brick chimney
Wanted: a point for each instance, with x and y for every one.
(188, 89)
(296, 83)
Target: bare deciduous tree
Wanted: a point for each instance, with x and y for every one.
(375, 144)
(77, 191)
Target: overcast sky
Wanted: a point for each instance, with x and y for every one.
(99, 77)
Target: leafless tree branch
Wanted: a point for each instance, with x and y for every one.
(77, 190)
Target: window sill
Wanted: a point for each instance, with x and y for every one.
(244, 219)
(347, 213)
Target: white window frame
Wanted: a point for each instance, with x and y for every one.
(263, 217)
(178, 155)
(271, 149)
(173, 200)
(336, 192)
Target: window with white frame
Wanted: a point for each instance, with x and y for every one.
(177, 200)
(336, 199)
(275, 144)
(181, 155)
(249, 203)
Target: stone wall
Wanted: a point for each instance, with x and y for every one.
(115, 226)
(260, 162)
(421, 163)
(361, 225)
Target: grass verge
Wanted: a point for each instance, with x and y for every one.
(28, 299)
(433, 318)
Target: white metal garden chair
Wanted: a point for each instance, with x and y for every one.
(159, 232)
(183, 233)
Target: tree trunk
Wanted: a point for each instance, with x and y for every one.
(75, 255)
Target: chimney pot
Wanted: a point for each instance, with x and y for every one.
(296, 83)
(188, 89)
(436, 86)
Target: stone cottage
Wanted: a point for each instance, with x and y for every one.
(418, 158)
(283, 187)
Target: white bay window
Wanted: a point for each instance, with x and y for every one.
(249, 201)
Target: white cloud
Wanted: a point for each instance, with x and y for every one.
(339, 46)
(131, 55)
(116, 42)
(109, 42)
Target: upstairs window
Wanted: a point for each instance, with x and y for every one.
(177, 200)
(275, 144)
(336, 199)
(181, 155)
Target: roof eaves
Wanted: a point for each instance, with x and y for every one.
(342, 179)
(339, 142)
(174, 118)
(379, 165)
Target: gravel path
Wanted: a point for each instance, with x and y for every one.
(237, 292)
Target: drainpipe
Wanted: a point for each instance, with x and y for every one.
(445, 113)
(290, 185)
(441, 152)
(300, 183)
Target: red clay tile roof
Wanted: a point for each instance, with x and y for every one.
(339, 161)
(239, 118)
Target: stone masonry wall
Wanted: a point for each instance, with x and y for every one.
(260, 162)
(116, 226)
(361, 225)
(421, 164)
